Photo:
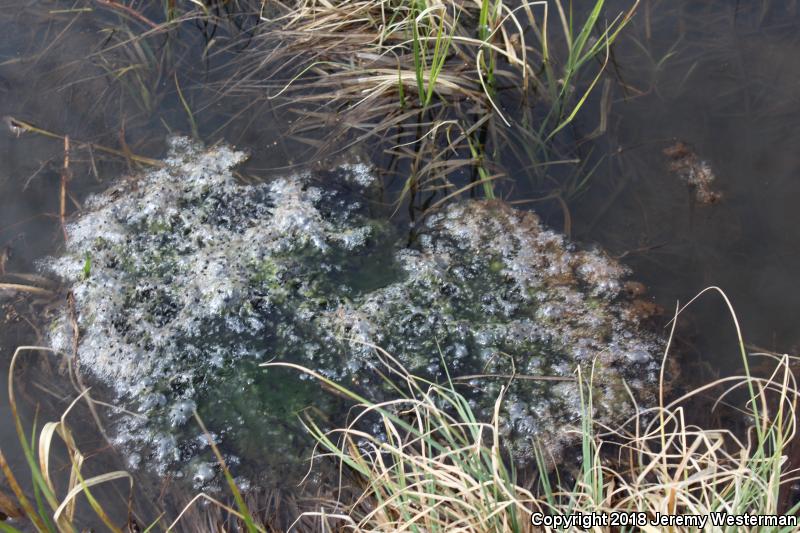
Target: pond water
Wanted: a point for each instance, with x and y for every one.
(725, 85)
(720, 76)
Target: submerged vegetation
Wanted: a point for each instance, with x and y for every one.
(442, 87)
(449, 98)
(195, 279)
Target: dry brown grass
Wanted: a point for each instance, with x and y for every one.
(440, 88)
(435, 467)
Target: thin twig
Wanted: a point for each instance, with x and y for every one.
(20, 126)
(65, 178)
(23, 288)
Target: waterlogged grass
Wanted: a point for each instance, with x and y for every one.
(454, 95)
(435, 467)
(446, 88)
(429, 464)
(46, 510)
(452, 98)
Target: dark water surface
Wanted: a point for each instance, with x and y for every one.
(727, 84)
(722, 76)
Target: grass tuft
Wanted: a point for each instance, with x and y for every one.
(433, 466)
(52, 513)
(444, 89)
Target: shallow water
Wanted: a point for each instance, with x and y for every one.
(730, 91)
(721, 76)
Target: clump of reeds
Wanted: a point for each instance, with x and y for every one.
(443, 88)
(449, 95)
(50, 509)
(435, 467)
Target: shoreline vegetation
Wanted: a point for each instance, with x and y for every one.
(438, 88)
(440, 468)
(447, 96)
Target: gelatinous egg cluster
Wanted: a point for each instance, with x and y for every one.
(196, 279)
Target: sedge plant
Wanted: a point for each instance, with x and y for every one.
(435, 466)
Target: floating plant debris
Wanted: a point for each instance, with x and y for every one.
(196, 279)
(694, 171)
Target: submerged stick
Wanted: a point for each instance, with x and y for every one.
(62, 200)
(74, 363)
(524, 377)
(23, 288)
(19, 127)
